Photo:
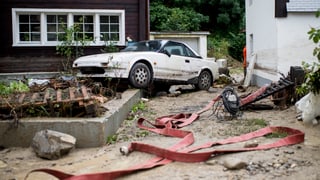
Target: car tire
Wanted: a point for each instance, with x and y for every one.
(204, 80)
(140, 75)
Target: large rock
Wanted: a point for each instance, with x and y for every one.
(52, 144)
(234, 163)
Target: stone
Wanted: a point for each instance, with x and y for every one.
(3, 164)
(51, 144)
(234, 163)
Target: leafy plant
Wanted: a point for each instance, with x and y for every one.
(312, 77)
(109, 45)
(140, 106)
(13, 87)
(236, 44)
(72, 45)
(217, 47)
(112, 139)
(165, 18)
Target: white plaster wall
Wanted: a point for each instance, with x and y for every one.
(293, 41)
(261, 36)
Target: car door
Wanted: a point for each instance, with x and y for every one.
(176, 66)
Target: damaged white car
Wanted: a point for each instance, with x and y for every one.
(146, 62)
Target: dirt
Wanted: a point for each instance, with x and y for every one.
(301, 161)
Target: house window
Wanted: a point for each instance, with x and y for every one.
(85, 25)
(109, 28)
(56, 25)
(46, 27)
(29, 27)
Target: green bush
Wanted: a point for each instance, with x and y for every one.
(217, 47)
(236, 44)
(13, 87)
(312, 77)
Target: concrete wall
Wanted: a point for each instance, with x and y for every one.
(89, 132)
(196, 40)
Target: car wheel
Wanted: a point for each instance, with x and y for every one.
(140, 76)
(204, 80)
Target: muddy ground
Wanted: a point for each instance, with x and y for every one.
(301, 161)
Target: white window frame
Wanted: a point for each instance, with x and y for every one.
(69, 12)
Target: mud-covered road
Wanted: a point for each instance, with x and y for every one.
(301, 161)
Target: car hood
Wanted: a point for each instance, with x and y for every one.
(105, 57)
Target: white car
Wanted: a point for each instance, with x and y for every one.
(146, 62)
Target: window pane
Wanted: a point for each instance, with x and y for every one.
(35, 27)
(89, 36)
(80, 27)
(62, 27)
(62, 18)
(88, 19)
(61, 36)
(114, 36)
(35, 37)
(35, 18)
(104, 28)
(51, 18)
(88, 28)
(24, 18)
(77, 19)
(104, 19)
(114, 28)
(114, 19)
(24, 28)
(24, 37)
(51, 28)
(51, 37)
(104, 37)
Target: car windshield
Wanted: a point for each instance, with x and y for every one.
(143, 46)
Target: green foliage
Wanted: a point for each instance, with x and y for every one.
(13, 87)
(236, 42)
(72, 45)
(112, 139)
(175, 19)
(312, 77)
(109, 47)
(140, 106)
(217, 47)
(277, 134)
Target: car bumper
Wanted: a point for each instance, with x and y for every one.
(102, 72)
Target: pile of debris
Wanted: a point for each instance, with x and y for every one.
(61, 97)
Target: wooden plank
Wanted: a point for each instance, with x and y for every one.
(71, 93)
(46, 96)
(59, 95)
(250, 71)
(85, 93)
(21, 98)
(34, 97)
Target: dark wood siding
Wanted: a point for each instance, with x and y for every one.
(12, 58)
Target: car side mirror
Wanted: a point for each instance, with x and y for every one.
(166, 52)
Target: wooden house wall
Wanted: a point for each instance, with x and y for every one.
(44, 58)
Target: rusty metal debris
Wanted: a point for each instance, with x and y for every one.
(59, 98)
